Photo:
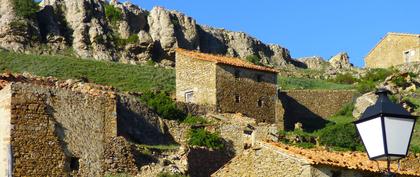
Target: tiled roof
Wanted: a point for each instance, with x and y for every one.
(224, 60)
(349, 160)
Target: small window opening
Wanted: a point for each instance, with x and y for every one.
(260, 103)
(259, 78)
(237, 73)
(189, 96)
(237, 99)
(74, 164)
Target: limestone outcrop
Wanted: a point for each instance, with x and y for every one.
(341, 61)
(134, 36)
(314, 62)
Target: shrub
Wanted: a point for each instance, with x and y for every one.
(113, 14)
(365, 86)
(25, 8)
(253, 59)
(415, 149)
(120, 42)
(163, 105)
(201, 137)
(346, 110)
(343, 136)
(193, 120)
(378, 74)
(346, 78)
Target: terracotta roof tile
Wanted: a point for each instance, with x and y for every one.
(223, 60)
(350, 160)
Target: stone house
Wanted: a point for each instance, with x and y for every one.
(50, 127)
(226, 84)
(276, 159)
(394, 49)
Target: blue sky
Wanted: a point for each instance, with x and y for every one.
(306, 27)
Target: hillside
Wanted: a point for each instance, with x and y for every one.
(121, 32)
(134, 78)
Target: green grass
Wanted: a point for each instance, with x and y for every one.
(124, 77)
(293, 83)
(162, 147)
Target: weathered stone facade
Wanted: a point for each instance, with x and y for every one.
(394, 49)
(225, 85)
(65, 131)
(312, 107)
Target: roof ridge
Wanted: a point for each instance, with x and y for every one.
(224, 60)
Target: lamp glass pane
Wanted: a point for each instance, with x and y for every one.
(371, 133)
(398, 132)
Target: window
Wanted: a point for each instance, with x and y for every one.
(74, 164)
(237, 73)
(259, 77)
(260, 103)
(408, 55)
(189, 96)
(237, 99)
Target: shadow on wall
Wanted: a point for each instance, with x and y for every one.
(136, 122)
(295, 112)
(203, 162)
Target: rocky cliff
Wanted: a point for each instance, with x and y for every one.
(123, 32)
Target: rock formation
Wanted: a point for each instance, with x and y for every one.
(341, 61)
(314, 62)
(136, 37)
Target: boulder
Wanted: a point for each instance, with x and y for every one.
(314, 62)
(341, 61)
(363, 102)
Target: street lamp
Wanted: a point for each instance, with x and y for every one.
(386, 129)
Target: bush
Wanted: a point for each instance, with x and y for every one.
(25, 8)
(163, 105)
(346, 110)
(343, 136)
(346, 78)
(253, 59)
(201, 137)
(193, 120)
(415, 149)
(372, 77)
(365, 86)
(120, 42)
(113, 14)
(378, 74)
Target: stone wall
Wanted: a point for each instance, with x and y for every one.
(390, 51)
(140, 124)
(65, 131)
(5, 127)
(263, 162)
(312, 107)
(256, 92)
(197, 76)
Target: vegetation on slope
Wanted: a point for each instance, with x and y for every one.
(134, 78)
(25, 8)
(294, 83)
